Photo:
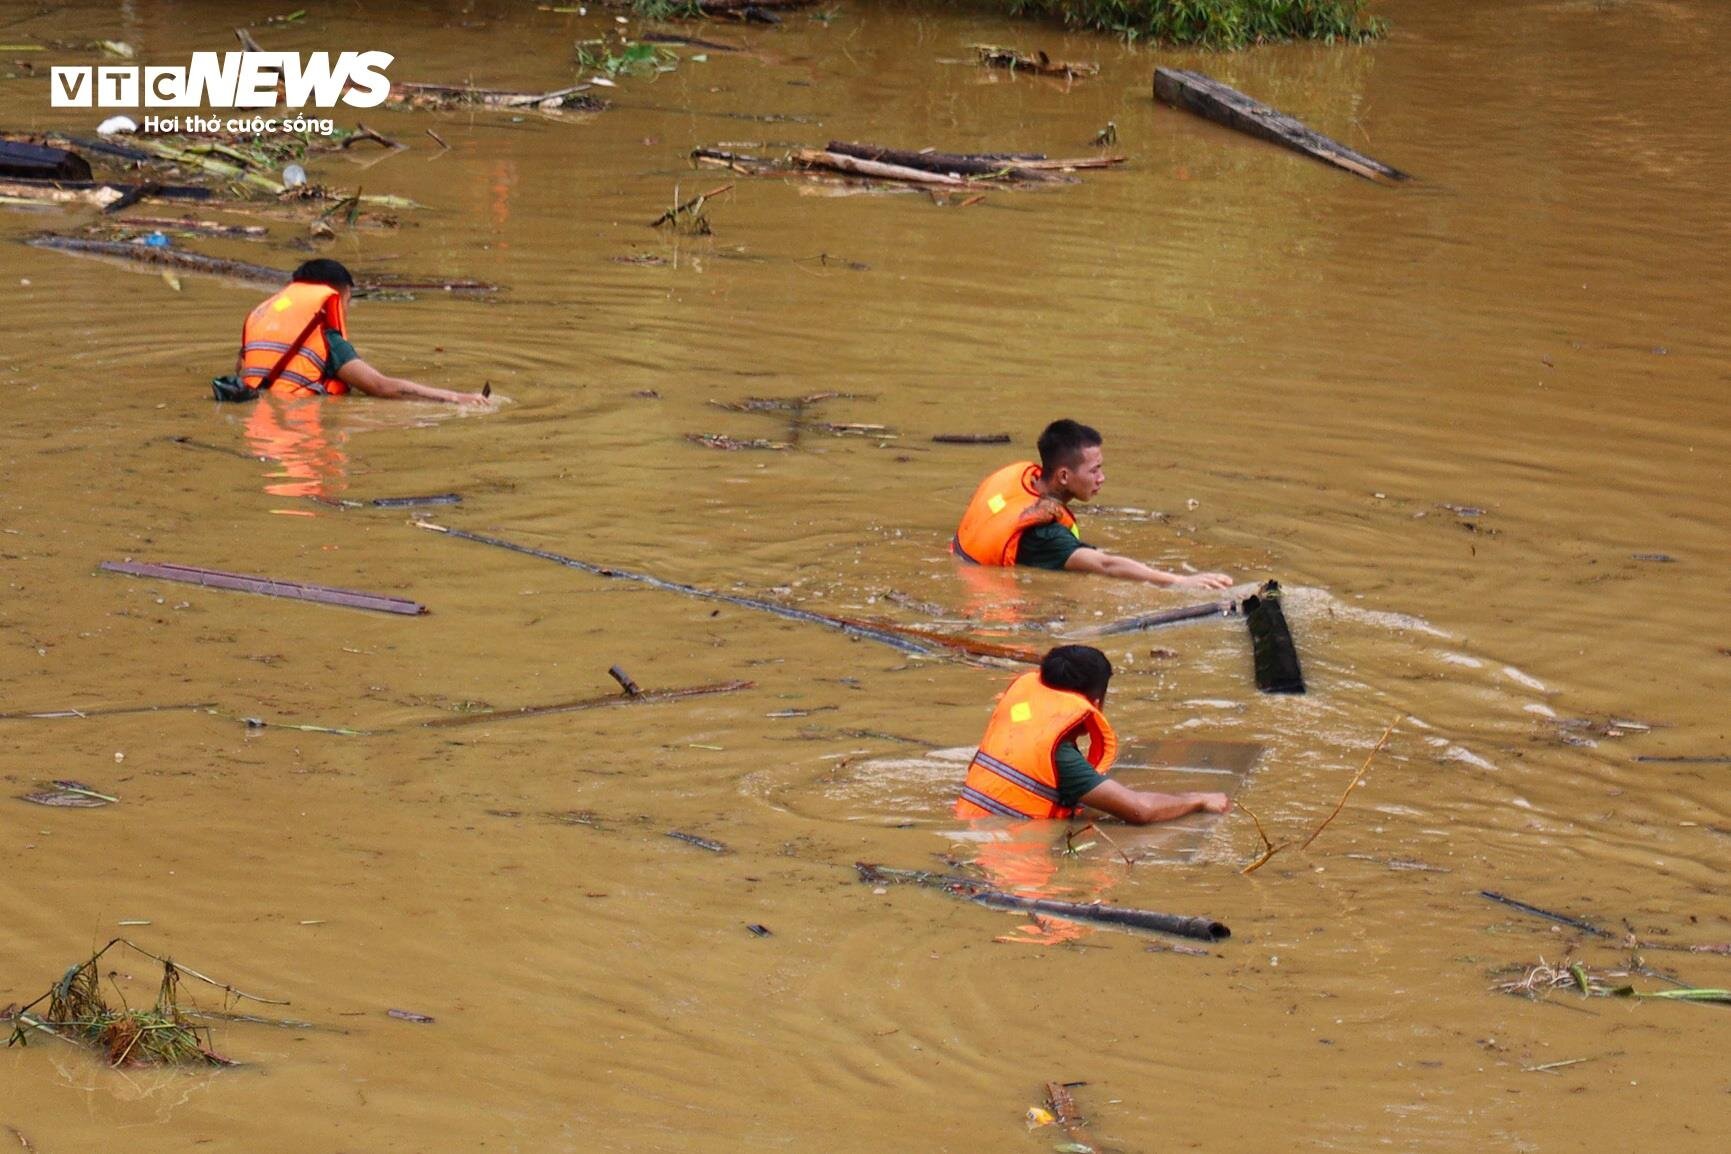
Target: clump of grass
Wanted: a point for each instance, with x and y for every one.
(158, 1036)
(1221, 24)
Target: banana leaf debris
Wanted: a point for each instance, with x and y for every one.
(160, 1035)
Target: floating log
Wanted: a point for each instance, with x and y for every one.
(902, 637)
(415, 502)
(993, 56)
(1201, 929)
(853, 165)
(645, 697)
(201, 227)
(1163, 617)
(295, 590)
(971, 438)
(95, 192)
(20, 158)
(573, 97)
(1207, 97)
(1005, 165)
(1565, 919)
(1276, 657)
(184, 261)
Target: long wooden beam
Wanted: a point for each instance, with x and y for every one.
(1223, 104)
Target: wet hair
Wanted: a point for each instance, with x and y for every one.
(326, 272)
(1078, 668)
(1062, 442)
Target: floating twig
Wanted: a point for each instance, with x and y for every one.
(1269, 849)
(294, 590)
(1564, 919)
(971, 438)
(1351, 785)
(647, 697)
(631, 688)
(690, 210)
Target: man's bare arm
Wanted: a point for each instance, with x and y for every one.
(363, 378)
(1086, 560)
(1138, 808)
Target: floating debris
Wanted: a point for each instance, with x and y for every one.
(993, 56)
(410, 1016)
(295, 590)
(70, 795)
(734, 444)
(1209, 98)
(699, 842)
(160, 1035)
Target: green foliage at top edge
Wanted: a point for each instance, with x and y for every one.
(1219, 24)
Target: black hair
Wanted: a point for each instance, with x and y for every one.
(1062, 442)
(1078, 668)
(326, 272)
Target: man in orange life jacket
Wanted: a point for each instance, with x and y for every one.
(1029, 765)
(296, 343)
(1020, 515)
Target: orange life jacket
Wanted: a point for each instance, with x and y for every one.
(274, 326)
(1015, 772)
(993, 525)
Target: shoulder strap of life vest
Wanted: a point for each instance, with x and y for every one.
(1014, 773)
(289, 354)
(324, 306)
(993, 524)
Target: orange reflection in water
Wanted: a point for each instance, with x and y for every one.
(291, 431)
(1028, 859)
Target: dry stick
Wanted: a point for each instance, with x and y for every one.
(644, 697)
(1353, 784)
(103, 712)
(362, 132)
(192, 973)
(691, 205)
(1269, 848)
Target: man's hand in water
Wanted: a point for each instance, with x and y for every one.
(1214, 802)
(1203, 581)
(472, 400)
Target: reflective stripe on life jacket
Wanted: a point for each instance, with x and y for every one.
(992, 526)
(273, 326)
(1015, 772)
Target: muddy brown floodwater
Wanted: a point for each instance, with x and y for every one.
(1448, 416)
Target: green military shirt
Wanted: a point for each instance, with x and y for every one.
(1047, 546)
(341, 353)
(1076, 776)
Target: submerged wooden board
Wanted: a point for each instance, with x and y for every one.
(294, 590)
(1223, 104)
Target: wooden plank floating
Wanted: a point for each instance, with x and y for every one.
(39, 162)
(1223, 104)
(294, 590)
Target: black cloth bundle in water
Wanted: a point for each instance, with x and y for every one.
(1277, 669)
